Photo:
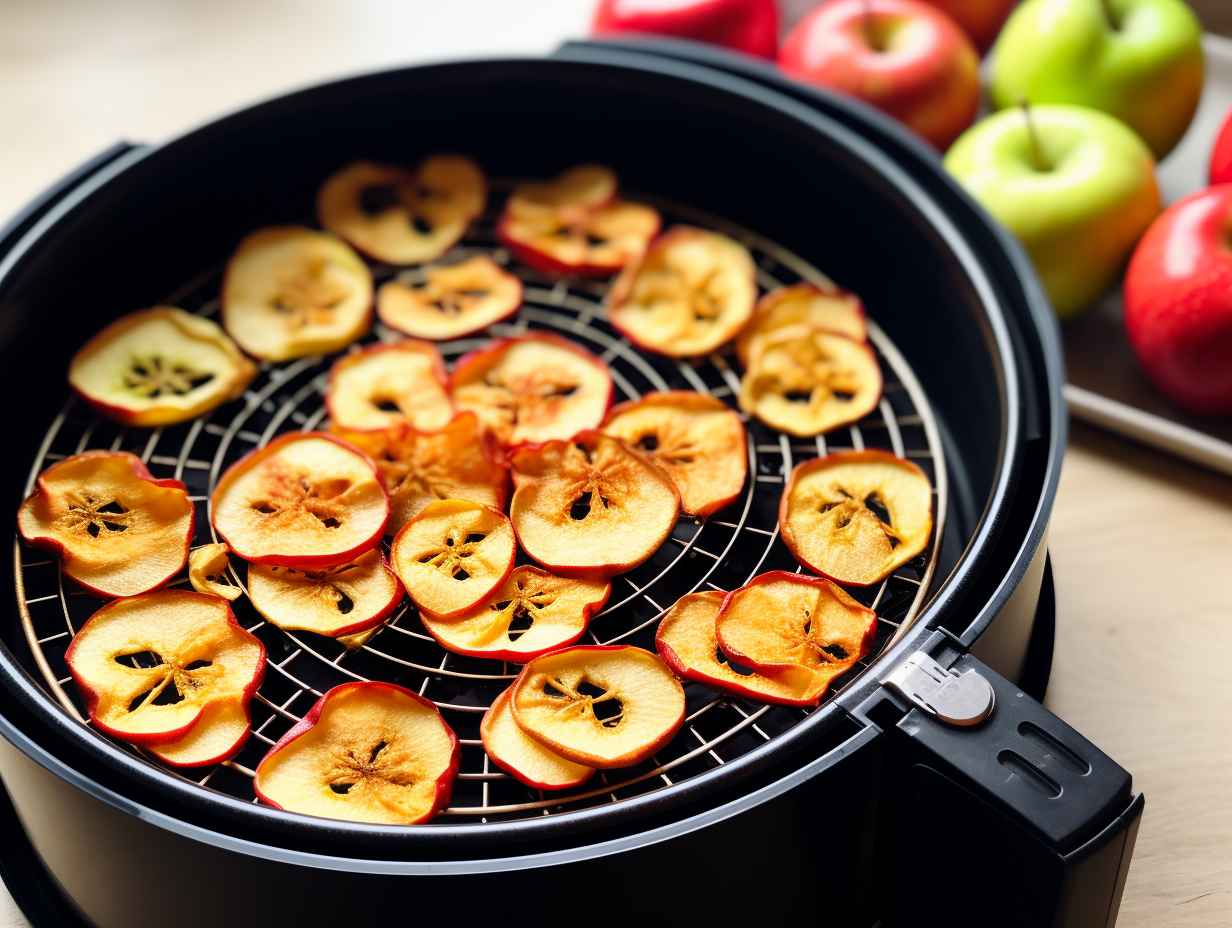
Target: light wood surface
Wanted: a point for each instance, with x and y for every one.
(1140, 543)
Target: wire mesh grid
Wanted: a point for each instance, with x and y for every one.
(718, 553)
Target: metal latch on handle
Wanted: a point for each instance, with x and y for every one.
(964, 699)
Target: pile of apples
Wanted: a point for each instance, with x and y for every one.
(1086, 96)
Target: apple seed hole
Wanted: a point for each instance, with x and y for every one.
(836, 651)
(732, 665)
(264, 507)
(520, 624)
(341, 788)
(648, 442)
(198, 665)
(421, 225)
(377, 199)
(342, 602)
(385, 404)
(581, 507)
(798, 396)
(139, 660)
(459, 573)
(876, 505)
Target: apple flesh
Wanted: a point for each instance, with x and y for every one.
(749, 26)
(521, 756)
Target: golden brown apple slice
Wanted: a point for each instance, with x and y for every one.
(534, 388)
(453, 300)
(856, 516)
(290, 292)
(306, 499)
(804, 381)
(207, 566)
(366, 752)
(691, 292)
(599, 705)
(591, 505)
(453, 554)
(401, 216)
(159, 366)
(521, 756)
(218, 735)
(118, 531)
(531, 613)
(826, 308)
(582, 187)
(383, 385)
(333, 601)
(148, 666)
(694, 437)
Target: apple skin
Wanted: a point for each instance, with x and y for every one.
(927, 75)
(1178, 302)
(1079, 219)
(1220, 171)
(749, 26)
(1147, 70)
(981, 20)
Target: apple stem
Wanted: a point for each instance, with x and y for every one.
(1110, 13)
(1037, 150)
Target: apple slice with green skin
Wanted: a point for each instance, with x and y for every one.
(600, 705)
(117, 530)
(450, 300)
(1075, 186)
(825, 308)
(207, 566)
(383, 385)
(307, 499)
(521, 756)
(289, 292)
(159, 366)
(366, 752)
(332, 601)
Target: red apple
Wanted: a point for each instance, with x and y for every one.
(750, 26)
(906, 58)
(1221, 154)
(1178, 302)
(980, 19)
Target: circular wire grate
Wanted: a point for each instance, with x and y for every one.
(718, 553)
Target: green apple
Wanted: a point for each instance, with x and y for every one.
(1139, 60)
(1076, 187)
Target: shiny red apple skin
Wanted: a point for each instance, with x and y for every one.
(749, 26)
(1178, 302)
(1221, 154)
(927, 76)
(981, 20)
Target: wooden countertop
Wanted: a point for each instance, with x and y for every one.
(1140, 542)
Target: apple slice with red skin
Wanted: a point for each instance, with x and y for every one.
(450, 300)
(827, 308)
(148, 666)
(533, 389)
(117, 530)
(307, 499)
(521, 756)
(599, 705)
(590, 506)
(206, 567)
(332, 601)
(222, 730)
(383, 385)
(365, 752)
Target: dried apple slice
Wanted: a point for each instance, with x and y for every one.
(401, 216)
(599, 705)
(365, 752)
(452, 301)
(827, 308)
(207, 566)
(218, 735)
(333, 601)
(784, 620)
(582, 187)
(531, 613)
(534, 388)
(521, 756)
(159, 366)
(453, 554)
(150, 665)
(804, 381)
(856, 516)
(692, 436)
(456, 462)
(118, 531)
(691, 292)
(591, 505)
(383, 385)
(306, 499)
(290, 292)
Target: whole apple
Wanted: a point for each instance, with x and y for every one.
(904, 57)
(1076, 187)
(750, 26)
(1220, 170)
(1138, 60)
(980, 19)
(1178, 302)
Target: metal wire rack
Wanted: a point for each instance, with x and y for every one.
(718, 553)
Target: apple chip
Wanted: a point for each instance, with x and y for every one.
(386, 384)
(118, 531)
(453, 554)
(207, 566)
(455, 462)
(366, 752)
(531, 613)
(306, 499)
(452, 300)
(159, 366)
(856, 516)
(599, 705)
(218, 735)
(290, 292)
(590, 506)
(692, 436)
(804, 381)
(784, 620)
(333, 601)
(691, 292)
(583, 187)
(521, 756)
(148, 666)
(401, 216)
(826, 308)
(534, 388)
